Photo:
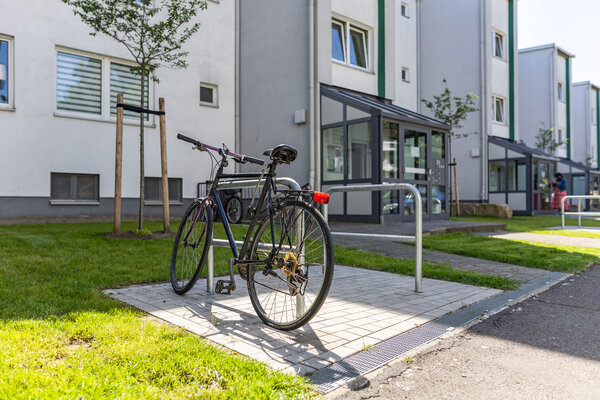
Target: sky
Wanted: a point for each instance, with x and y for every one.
(572, 24)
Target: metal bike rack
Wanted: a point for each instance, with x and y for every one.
(238, 184)
(579, 213)
(417, 239)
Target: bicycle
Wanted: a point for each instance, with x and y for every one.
(287, 261)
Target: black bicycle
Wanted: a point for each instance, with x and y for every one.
(286, 256)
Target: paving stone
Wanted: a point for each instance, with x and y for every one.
(355, 316)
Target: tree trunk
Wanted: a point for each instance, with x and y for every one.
(141, 206)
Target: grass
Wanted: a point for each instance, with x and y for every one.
(538, 223)
(62, 338)
(357, 258)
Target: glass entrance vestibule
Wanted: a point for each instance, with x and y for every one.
(520, 176)
(367, 141)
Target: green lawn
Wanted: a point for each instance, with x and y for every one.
(62, 338)
(538, 223)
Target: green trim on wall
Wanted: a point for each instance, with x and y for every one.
(511, 69)
(381, 48)
(598, 128)
(568, 90)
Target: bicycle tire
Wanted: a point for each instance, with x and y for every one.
(233, 210)
(186, 263)
(265, 288)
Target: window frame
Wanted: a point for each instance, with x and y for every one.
(342, 25)
(104, 115)
(366, 33)
(215, 89)
(502, 37)
(73, 189)
(404, 10)
(10, 74)
(154, 202)
(495, 99)
(405, 74)
(560, 90)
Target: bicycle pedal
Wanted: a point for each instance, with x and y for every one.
(225, 287)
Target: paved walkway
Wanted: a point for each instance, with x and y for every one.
(550, 239)
(391, 249)
(363, 308)
(434, 227)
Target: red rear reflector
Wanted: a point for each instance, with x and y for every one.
(320, 197)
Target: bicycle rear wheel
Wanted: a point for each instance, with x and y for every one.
(191, 246)
(292, 284)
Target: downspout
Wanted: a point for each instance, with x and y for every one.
(511, 68)
(311, 95)
(418, 29)
(568, 99)
(484, 103)
(238, 144)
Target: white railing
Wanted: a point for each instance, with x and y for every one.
(579, 211)
(417, 239)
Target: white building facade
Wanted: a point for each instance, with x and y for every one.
(472, 44)
(57, 112)
(586, 101)
(545, 96)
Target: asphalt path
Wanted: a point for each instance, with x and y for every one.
(546, 347)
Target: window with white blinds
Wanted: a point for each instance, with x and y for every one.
(123, 80)
(79, 83)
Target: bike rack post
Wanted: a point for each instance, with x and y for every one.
(578, 213)
(417, 239)
(237, 184)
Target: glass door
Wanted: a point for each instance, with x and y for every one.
(415, 170)
(543, 171)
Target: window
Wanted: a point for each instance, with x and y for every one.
(337, 41)
(74, 187)
(405, 75)
(123, 80)
(516, 176)
(349, 44)
(560, 91)
(498, 47)
(83, 89)
(153, 190)
(208, 95)
(496, 177)
(498, 109)
(404, 10)
(560, 137)
(6, 73)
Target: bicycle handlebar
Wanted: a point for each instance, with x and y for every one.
(238, 157)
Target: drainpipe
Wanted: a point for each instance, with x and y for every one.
(311, 95)
(238, 144)
(484, 100)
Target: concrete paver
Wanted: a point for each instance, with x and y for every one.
(363, 308)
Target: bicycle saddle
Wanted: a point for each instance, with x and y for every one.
(282, 153)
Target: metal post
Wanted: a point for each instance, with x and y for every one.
(579, 211)
(419, 239)
(562, 212)
(210, 271)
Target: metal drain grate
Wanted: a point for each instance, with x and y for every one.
(343, 371)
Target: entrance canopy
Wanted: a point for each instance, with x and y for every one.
(369, 140)
(520, 176)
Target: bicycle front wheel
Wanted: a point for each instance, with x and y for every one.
(191, 246)
(291, 283)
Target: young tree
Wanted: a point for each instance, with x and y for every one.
(452, 111)
(153, 34)
(544, 140)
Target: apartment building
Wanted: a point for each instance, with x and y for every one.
(472, 44)
(586, 102)
(545, 96)
(58, 87)
(346, 95)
